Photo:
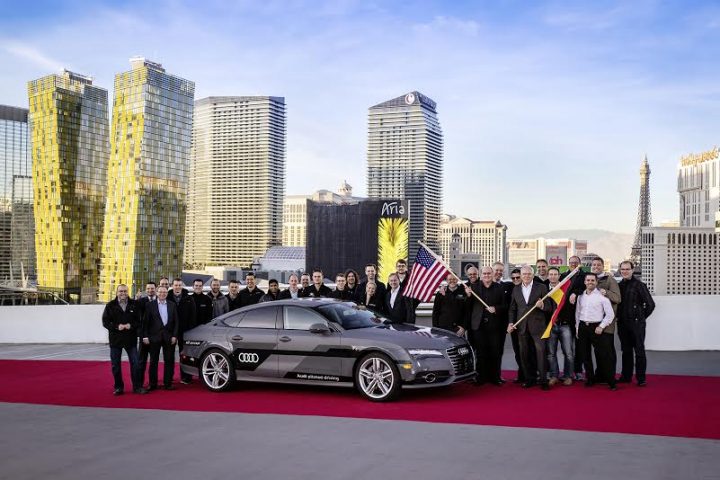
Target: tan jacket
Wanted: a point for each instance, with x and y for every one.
(612, 289)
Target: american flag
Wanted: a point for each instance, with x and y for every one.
(426, 275)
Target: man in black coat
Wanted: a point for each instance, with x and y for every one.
(507, 288)
(317, 288)
(524, 297)
(485, 326)
(160, 330)
(341, 291)
(395, 306)
(203, 303)
(636, 306)
(251, 294)
(186, 317)
(371, 276)
(449, 307)
(122, 320)
(144, 350)
(411, 304)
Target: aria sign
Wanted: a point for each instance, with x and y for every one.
(392, 209)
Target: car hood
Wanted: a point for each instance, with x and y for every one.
(408, 336)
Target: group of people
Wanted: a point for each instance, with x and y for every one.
(157, 320)
(486, 309)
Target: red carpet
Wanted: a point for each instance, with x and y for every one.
(670, 406)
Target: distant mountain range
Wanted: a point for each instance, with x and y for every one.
(609, 245)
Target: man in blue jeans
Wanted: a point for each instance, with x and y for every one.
(561, 332)
(121, 318)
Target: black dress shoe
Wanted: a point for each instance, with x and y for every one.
(140, 391)
(613, 387)
(498, 383)
(642, 383)
(528, 384)
(545, 387)
(517, 380)
(151, 388)
(118, 391)
(623, 380)
(169, 387)
(186, 381)
(502, 380)
(589, 383)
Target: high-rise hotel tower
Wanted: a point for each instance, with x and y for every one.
(144, 231)
(17, 227)
(237, 180)
(69, 137)
(405, 160)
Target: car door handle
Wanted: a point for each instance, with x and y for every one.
(284, 338)
(237, 338)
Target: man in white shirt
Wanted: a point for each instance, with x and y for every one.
(593, 314)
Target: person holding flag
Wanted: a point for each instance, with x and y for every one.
(427, 273)
(560, 329)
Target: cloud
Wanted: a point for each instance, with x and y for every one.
(32, 55)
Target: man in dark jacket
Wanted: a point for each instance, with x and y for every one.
(160, 330)
(250, 295)
(317, 288)
(186, 317)
(144, 350)
(122, 319)
(371, 276)
(636, 306)
(485, 325)
(273, 291)
(449, 307)
(395, 306)
(577, 287)
(203, 304)
(507, 287)
(341, 291)
(525, 296)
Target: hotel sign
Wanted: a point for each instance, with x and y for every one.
(696, 158)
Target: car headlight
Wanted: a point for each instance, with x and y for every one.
(424, 352)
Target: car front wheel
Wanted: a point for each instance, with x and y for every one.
(377, 378)
(216, 371)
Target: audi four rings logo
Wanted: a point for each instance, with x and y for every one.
(463, 351)
(248, 358)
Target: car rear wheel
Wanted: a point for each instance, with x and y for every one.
(217, 372)
(377, 378)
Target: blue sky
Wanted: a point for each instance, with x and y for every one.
(547, 107)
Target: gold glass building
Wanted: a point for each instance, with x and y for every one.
(69, 137)
(151, 130)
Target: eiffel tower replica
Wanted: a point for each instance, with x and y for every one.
(644, 218)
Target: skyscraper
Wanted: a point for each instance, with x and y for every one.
(237, 180)
(69, 137)
(17, 228)
(485, 239)
(144, 232)
(699, 189)
(405, 160)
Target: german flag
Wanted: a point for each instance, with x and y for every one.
(558, 294)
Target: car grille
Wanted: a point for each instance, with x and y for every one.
(462, 364)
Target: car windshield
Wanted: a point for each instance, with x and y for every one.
(351, 316)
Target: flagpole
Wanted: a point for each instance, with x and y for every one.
(437, 258)
(513, 326)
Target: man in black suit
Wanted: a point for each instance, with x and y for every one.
(395, 306)
(160, 330)
(371, 276)
(185, 307)
(318, 288)
(411, 304)
(144, 350)
(524, 297)
(485, 326)
(507, 288)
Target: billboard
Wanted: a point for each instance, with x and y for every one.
(346, 236)
(556, 255)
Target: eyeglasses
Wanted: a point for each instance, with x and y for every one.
(515, 278)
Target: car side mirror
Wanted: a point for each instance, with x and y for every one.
(319, 328)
